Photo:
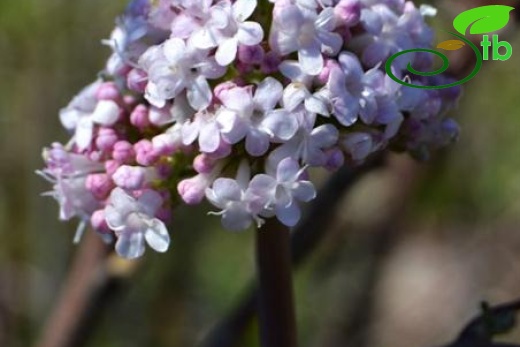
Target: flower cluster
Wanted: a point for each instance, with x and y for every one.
(232, 101)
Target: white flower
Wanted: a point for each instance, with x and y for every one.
(254, 117)
(68, 172)
(280, 189)
(308, 143)
(84, 111)
(173, 67)
(133, 222)
(227, 28)
(238, 208)
(203, 127)
(306, 32)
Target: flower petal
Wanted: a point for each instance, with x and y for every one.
(289, 215)
(311, 59)
(199, 93)
(325, 135)
(232, 127)
(226, 52)
(226, 189)
(236, 218)
(257, 143)
(304, 191)
(287, 170)
(250, 33)
(149, 202)
(243, 9)
(130, 245)
(84, 130)
(209, 138)
(157, 236)
(281, 124)
(267, 94)
(106, 113)
(293, 95)
(174, 50)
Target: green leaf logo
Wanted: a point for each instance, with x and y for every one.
(483, 19)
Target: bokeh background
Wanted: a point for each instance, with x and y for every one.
(413, 250)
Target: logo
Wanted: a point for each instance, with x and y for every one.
(480, 20)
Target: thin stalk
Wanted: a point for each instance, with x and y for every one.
(277, 320)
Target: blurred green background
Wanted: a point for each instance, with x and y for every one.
(454, 241)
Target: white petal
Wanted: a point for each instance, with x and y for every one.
(268, 93)
(238, 99)
(236, 218)
(281, 124)
(199, 93)
(204, 39)
(209, 138)
(325, 135)
(250, 33)
(326, 19)
(174, 50)
(84, 130)
(130, 245)
(317, 105)
(210, 69)
(263, 185)
(257, 143)
(287, 170)
(69, 118)
(226, 52)
(293, 71)
(227, 189)
(106, 113)
(293, 95)
(115, 220)
(157, 236)
(149, 202)
(288, 215)
(304, 191)
(243, 9)
(190, 132)
(232, 127)
(330, 42)
(311, 59)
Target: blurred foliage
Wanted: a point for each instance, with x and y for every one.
(49, 50)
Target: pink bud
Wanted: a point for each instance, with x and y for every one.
(129, 177)
(111, 166)
(165, 144)
(144, 153)
(330, 64)
(99, 185)
(139, 117)
(108, 91)
(106, 139)
(192, 190)
(123, 152)
(349, 12)
(203, 163)
(98, 222)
